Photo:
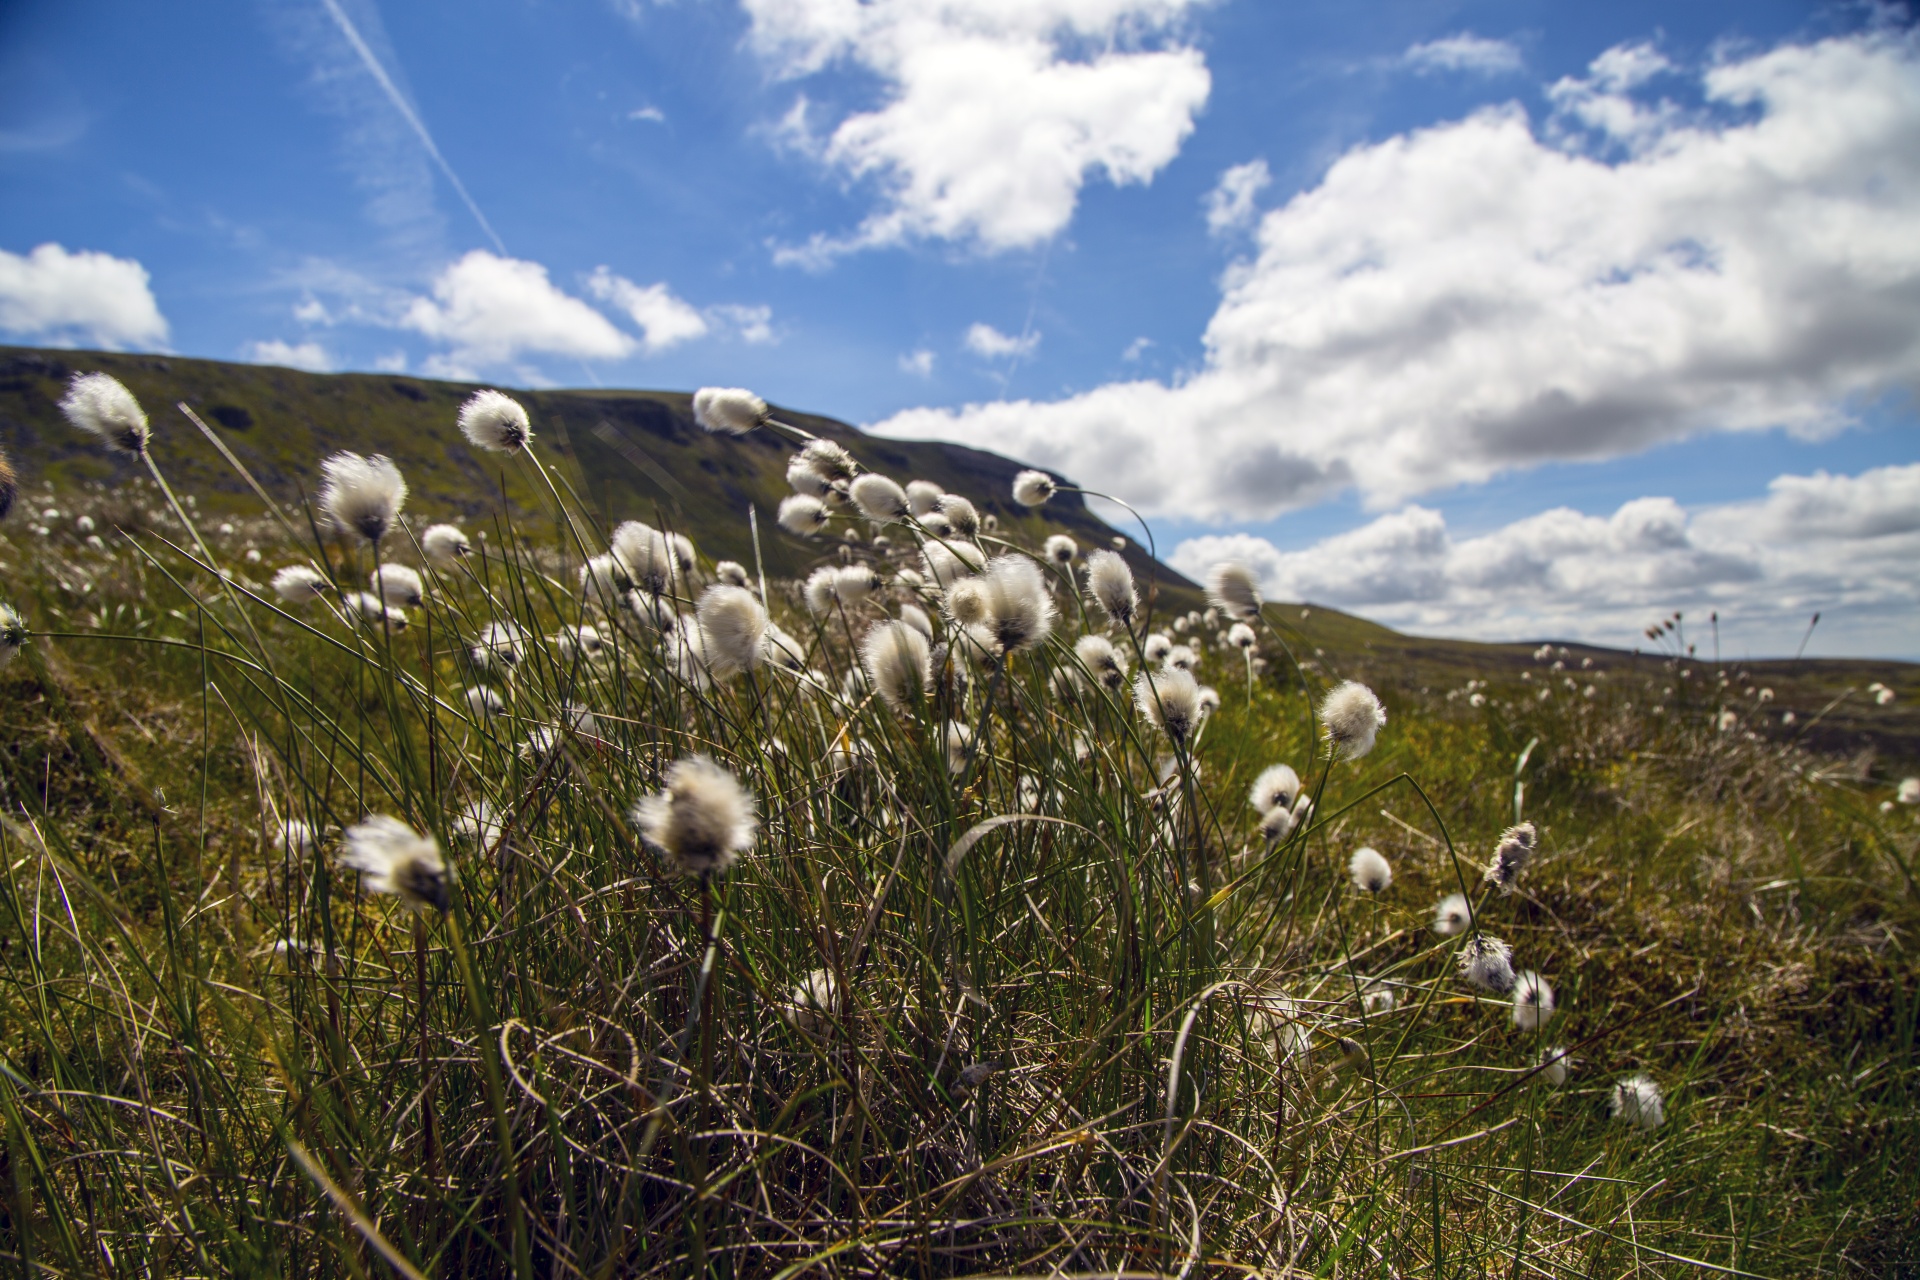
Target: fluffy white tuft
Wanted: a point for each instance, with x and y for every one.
(899, 663)
(1353, 718)
(732, 411)
(1532, 1000)
(396, 859)
(735, 627)
(1110, 584)
(445, 545)
(1232, 589)
(1637, 1101)
(1033, 488)
(1275, 788)
(362, 495)
(100, 405)
(803, 514)
(399, 585)
(701, 821)
(879, 499)
(1487, 963)
(300, 583)
(1452, 915)
(495, 422)
(1370, 870)
(1170, 700)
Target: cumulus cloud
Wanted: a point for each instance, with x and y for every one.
(83, 296)
(1483, 295)
(663, 319)
(1841, 545)
(310, 356)
(751, 324)
(918, 363)
(993, 114)
(1230, 204)
(985, 340)
(1464, 52)
(491, 310)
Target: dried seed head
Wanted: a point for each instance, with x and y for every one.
(1510, 854)
(1275, 788)
(396, 859)
(731, 411)
(1232, 589)
(501, 645)
(495, 422)
(1170, 700)
(959, 745)
(649, 557)
(1061, 549)
(603, 579)
(731, 572)
(1276, 825)
(13, 634)
(1241, 636)
(819, 591)
(810, 1007)
(1555, 1064)
(830, 460)
(362, 495)
(1020, 612)
(805, 480)
(1181, 657)
(1102, 661)
(1156, 648)
(879, 499)
(1370, 870)
(923, 496)
(1353, 718)
(916, 617)
(961, 514)
(98, 404)
(399, 585)
(1532, 1000)
(1452, 915)
(1637, 1101)
(735, 628)
(950, 562)
(899, 663)
(803, 514)
(701, 821)
(300, 583)
(484, 702)
(1110, 585)
(1487, 963)
(444, 545)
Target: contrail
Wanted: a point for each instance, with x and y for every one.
(352, 33)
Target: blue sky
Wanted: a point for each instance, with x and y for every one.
(1505, 319)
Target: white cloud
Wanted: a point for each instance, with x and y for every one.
(1842, 545)
(392, 362)
(1136, 349)
(1471, 298)
(665, 320)
(1464, 52)
(994, 111)
(918, 363)
(83, 296)
(310, 356)
(653, 114)
(489, 310)
(1230, 204)
(753, 325)
(985, 340)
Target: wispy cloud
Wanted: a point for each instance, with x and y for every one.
(1230, 204)
(1465, 52)
(985, 340)
(310, 356)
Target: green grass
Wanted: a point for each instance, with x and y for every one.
(219, 1056)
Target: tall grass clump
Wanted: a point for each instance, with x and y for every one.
(549, 899)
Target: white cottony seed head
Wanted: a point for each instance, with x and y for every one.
(98, 404)
(1451, 915)
(501, 644)
(810, 1007)
(650, 558)
(1487, 963)
(1241, 636)
(399, 585)
(1370, 870)
(1555, 1063)
(1156, 648)
(731, 411)
(804, 479)
(961, 514)
(1020, 612)
(396, 859)
(1277, 824)
(830, 460)
(735, 627)
(1061, 549)
(1275, 788)
(879, 499)
(701, 821)
(495, 422)
(1637, 1101)
(484, 702)
(1909, 792)
(820, 589)
(362, 495)
(1102, 661)
(731, 572)
(299, 583)
(899, 663)
(916, 617)
(1353, 717)
(803, 514)
(923, 496)
(1170, 700)
(445, 545)
(950, 562)
(1033, 488)
(1232, 589)
(1181, 657)
(13, 634)
(1515, 846)
(959, 743)
(1532, 1000)
(1110, 584)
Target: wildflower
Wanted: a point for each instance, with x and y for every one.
(1452, 915)
(1510, 854)
(949, 562)
(483, 702)
(1232, 589)
(1909, 792)
(782, 650)
(98, 404)
(299, 583)
(1033, 488)
(13, 634)
(1110, 584)
(1371, 871)
(735, 627)
(1061, 549)
(1637, 1101)
(686, 648)
(701, 821)
(966, 603)
(495, 422)
(961, 514)
(1170, 700)
(729, 411)
(810, 1006)
(1487, 963)
(1532, 1001)
(1554, 1065)
(899, 663)
(397, 584)
(295, 836)
(803, 514)
(501, 644)
(649, 559)
(1182, 658)
(444, 545)
(1156, 648)
(584, 641)
(829, 460)
(362, 495)
(1099, 656)
(879, 498)
(1353, 717)
(916, 617)
(959, 745)
(1241, 636)
(372, 608)
(397, 859)
(1020, 612)
(731, 572)
(923, 496)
